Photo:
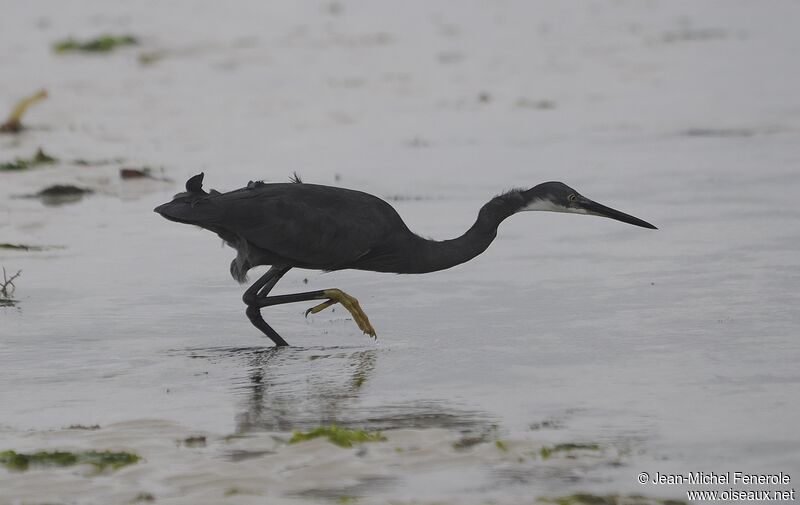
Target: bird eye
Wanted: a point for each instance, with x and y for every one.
(572, 198)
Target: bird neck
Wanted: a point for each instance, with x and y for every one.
(439, 255)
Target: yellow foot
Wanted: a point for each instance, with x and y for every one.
(351, 304)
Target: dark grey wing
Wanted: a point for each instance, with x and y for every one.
(317, 226)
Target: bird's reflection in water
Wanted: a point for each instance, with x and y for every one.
(293, 388)
(290, 388)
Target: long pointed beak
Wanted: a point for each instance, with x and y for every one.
(601, 210)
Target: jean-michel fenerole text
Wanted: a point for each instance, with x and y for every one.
(721, 478)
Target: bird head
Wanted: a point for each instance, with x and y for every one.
(558, 197)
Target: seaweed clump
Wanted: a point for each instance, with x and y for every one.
(61, 194)
(487, 435)
(546, 452)
(98, 459)
(141, 173)
(14, 122)
(591, 499)
(101, 44)
(195, 441)
(338, 436)
(40, 158)
(63, 190)
(22, 247)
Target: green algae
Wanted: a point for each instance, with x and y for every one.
(97, 162)
(99, 459)
(591, 499)
(546, 452)
(338, 436)
(101, 44)
(236, 491)
(40, 158)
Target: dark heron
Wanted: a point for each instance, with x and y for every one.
(287, 225)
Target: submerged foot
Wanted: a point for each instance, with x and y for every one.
(348, 302)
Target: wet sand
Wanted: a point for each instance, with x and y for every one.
(673, 350)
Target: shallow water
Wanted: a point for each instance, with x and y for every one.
(674, 350)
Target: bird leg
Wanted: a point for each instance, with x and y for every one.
(348, 302)
(256, 298)
(332, 296)
(258, 291)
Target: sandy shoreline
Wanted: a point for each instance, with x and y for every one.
(419, 466)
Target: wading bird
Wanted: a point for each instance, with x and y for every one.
(287, 225)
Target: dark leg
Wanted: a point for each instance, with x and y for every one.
(258, 292)
(256, 298)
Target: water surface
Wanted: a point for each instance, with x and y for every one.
(673, 350)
